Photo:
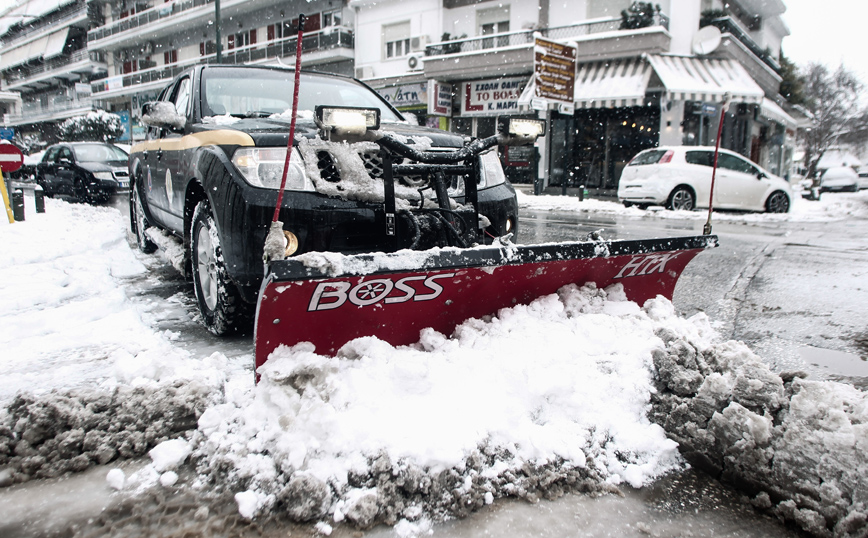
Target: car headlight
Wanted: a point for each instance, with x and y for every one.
(492, 171)
(263, 167)
(103, 175)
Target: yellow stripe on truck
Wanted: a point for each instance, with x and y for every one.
(223, 137)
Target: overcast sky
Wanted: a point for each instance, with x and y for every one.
(831, 32)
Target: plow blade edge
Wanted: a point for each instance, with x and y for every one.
(331, 300)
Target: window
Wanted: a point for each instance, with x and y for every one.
(207, 47)
(647, 157)
(493, 21)
(731, 162)
(704, 158)
(170, 57)
(331, 18)
(182, 96)
(396, 40)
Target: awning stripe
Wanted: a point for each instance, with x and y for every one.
(703, 79)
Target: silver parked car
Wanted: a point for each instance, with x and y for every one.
(679, 177)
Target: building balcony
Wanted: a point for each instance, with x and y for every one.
(54, 108)
(76, 14)
(56, 71)
(511, 53)
(730, 25)
(324, 46)
(121, 32)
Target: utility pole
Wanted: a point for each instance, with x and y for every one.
(219, 37)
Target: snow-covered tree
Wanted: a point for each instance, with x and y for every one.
(837, 117)
(98, 125)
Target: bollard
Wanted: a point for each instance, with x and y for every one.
(581, 193)
(39, 198)
(18, 205)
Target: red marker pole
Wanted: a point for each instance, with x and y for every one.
(706, 230)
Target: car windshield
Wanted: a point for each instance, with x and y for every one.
(263, 92)
(98, 153)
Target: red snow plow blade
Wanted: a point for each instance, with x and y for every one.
(442, 288)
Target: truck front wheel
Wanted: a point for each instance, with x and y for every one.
(222, 309)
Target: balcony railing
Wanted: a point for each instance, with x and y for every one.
(161, 11)
(60, 63)
(731, 26)
(50, 107)
(525, 37)
(321, 40)
(45, 24)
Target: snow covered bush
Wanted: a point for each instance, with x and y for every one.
(97, 125)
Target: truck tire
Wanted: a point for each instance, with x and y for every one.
(139, 222)
(222, 309)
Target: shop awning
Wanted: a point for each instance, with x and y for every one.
(612, 83)
(604, 84)
(56, 42)
(703, 79)
(774, 112)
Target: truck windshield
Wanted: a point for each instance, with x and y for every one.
(245, 92)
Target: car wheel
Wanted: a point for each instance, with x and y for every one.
(778, 202)
(627, 204)
(81, 192)
(223, 311)
(139, 222)
(681, 199)
(854, 188)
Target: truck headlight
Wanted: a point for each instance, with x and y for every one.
(263, 167)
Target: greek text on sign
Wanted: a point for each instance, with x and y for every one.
(492, 97)
(405, 95)
(554, 68)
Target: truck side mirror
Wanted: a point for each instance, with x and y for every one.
(162, 114)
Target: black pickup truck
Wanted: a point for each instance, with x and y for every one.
(211, 165)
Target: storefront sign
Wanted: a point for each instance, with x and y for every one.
(492, 97)
(439, 98)
(554, 67)
(406, 95)
(708, 109)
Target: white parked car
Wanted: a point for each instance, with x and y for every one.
(839, 178)
(679, 177)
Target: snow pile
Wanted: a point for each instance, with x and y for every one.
(798, 447)
(831, 206)
(384, 434)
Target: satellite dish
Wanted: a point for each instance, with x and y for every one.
(706, 40)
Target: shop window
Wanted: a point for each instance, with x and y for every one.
(396, 40)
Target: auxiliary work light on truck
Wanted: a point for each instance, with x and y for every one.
(345, 122)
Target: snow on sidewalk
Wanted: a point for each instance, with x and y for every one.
(574, 392)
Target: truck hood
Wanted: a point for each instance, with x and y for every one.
(275, 131)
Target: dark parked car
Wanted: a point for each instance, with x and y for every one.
(210, 168)
(90, 171)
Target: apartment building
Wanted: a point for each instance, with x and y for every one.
(45, 65)
(146, 43)
(635, 88)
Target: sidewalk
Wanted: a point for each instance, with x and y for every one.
(597, 194)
